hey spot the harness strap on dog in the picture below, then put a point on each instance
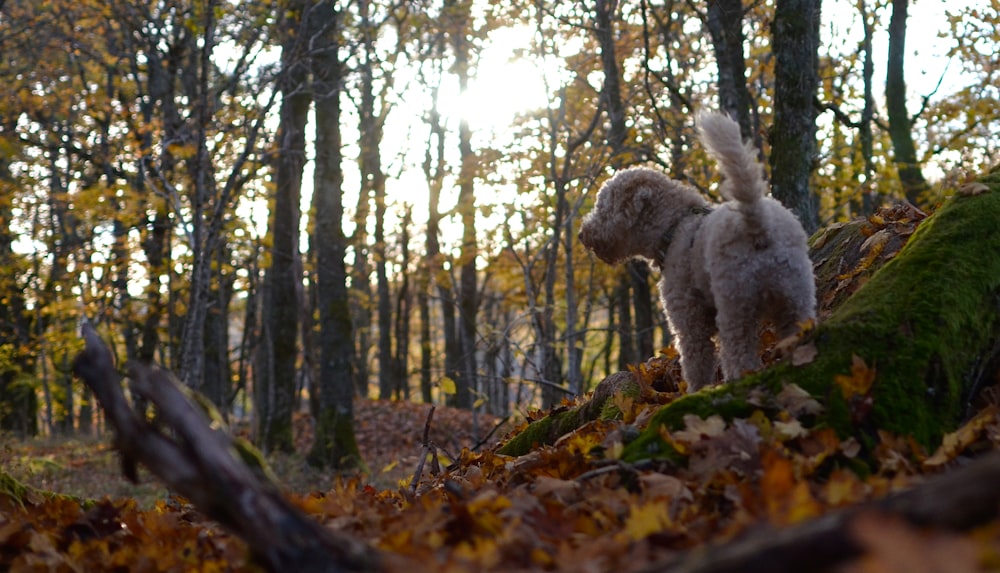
(668, 235)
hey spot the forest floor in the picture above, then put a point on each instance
(389, 435)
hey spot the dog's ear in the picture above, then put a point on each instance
(645, 198)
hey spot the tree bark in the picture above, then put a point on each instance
(900, 124)
(795, 41)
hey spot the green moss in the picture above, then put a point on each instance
(561, 422)
(18, 493)
(336, 445)
(543, 431)
(926, 323)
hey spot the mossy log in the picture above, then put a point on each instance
(906, 353)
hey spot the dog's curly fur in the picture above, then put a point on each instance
(724, 268)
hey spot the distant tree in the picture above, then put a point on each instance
(458, 14)
(433, 275)
(635, 345)
(276, 369)
(18, 402)
(335, 445)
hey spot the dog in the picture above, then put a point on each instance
(724, 268)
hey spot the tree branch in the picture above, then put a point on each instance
(200, 464)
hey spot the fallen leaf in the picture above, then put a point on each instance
(956, 442)
(697, 429)
(859, 382)
(797, 401)
(972, 189)
(804, 354)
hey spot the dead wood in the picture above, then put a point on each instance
(957, 501)
(200, 464)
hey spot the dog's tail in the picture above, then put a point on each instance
(744, 175)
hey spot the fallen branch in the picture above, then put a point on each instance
(200, 464)
(956, 501)
(427, 448)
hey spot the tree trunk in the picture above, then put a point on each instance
(923, 331)
(404, 304)
(900, 124)
(217, 375)
(465, 385)
(335, 445)
(795, 42)
(276, 381)
(638, 343)
(435, 277)
(724, 21)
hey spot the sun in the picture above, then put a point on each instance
(504, 85)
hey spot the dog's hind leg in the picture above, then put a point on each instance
(693, 332)
(738, 336)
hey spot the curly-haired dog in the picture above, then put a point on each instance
(724, 268)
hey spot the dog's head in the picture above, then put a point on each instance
(633, 211)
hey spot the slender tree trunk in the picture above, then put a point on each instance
(216, 370)
(373, 186)
(636, 277)
(276, 381)
(870, 199)
(467, 294)
(626, 351)
(795, 41)
(201, 238)
(404, 301)
(373, 180)
(900, 124)
(335, 445)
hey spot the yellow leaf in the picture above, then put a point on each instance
(646, 520)
(859, 382)
(956, 442)
(447, 386)
(787, 497)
